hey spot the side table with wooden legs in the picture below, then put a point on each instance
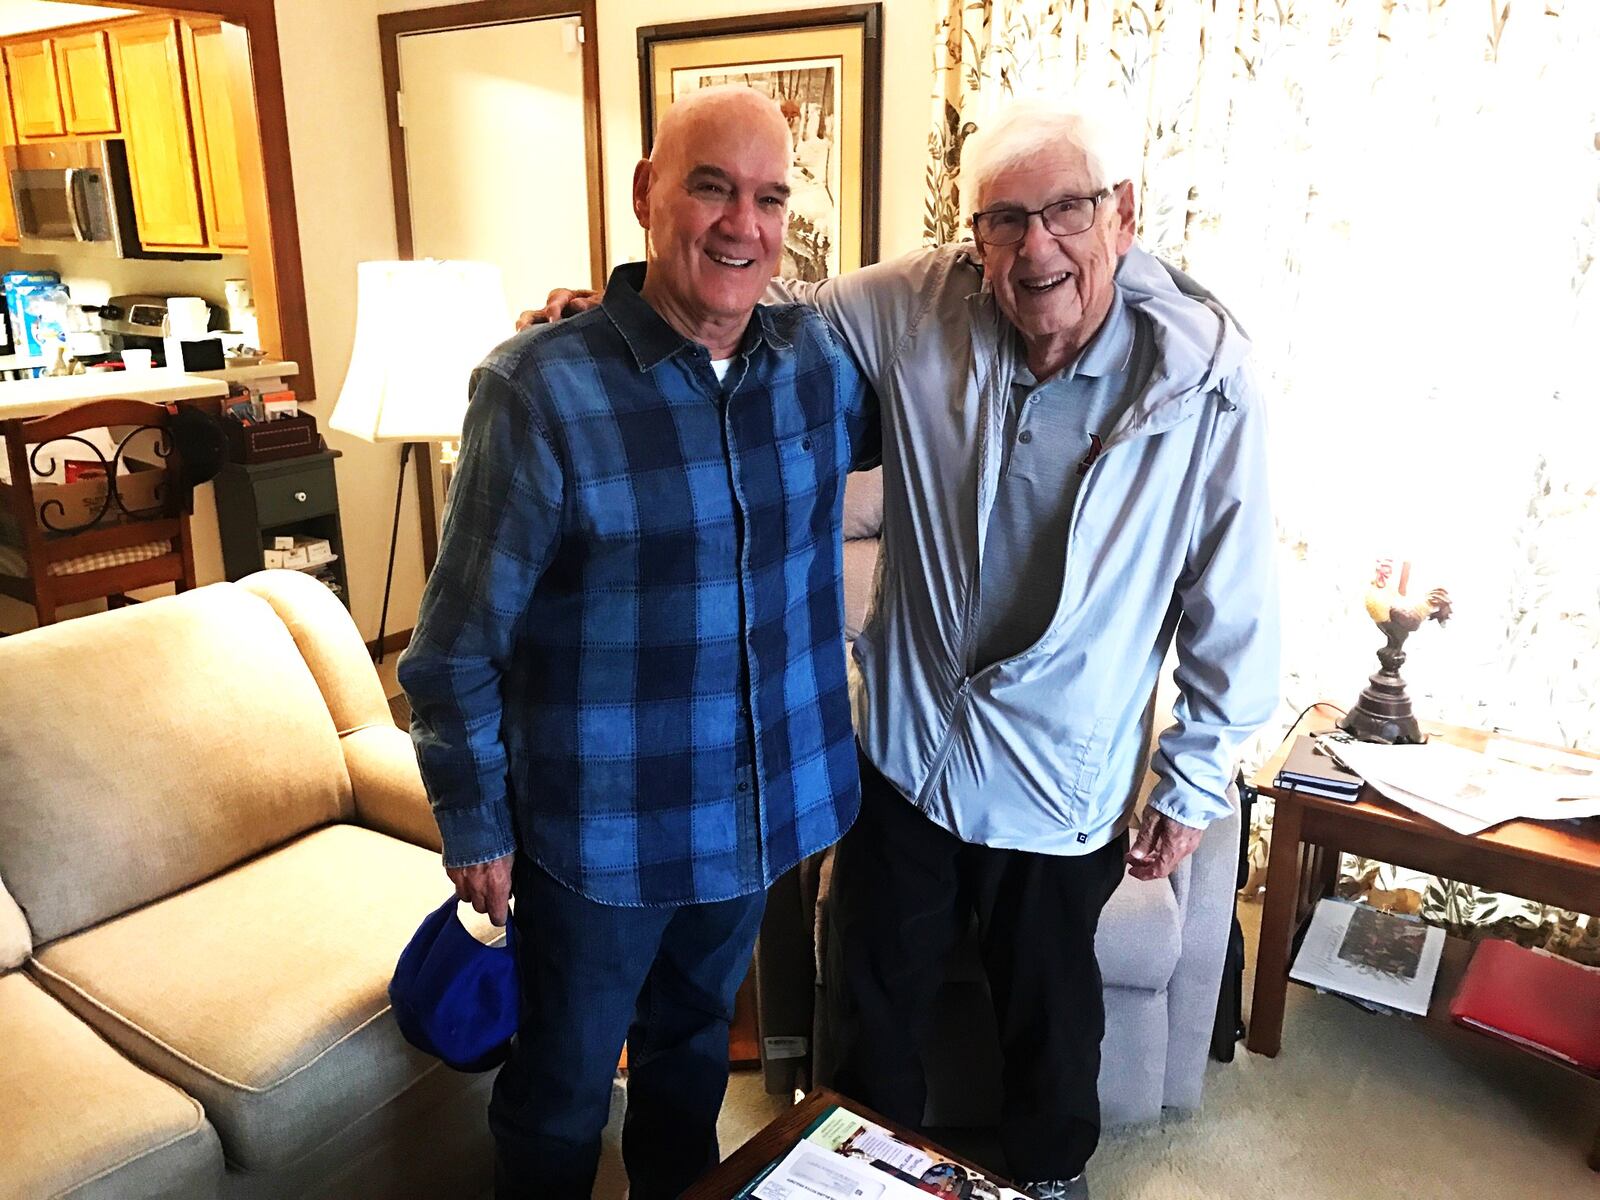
(1556, 863)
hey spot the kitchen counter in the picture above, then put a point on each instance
(39, 397)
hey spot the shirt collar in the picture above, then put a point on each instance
(649, 337)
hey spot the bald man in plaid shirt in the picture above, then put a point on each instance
(628, 676)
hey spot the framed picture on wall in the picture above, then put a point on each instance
(824, 68)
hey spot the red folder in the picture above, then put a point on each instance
(1544, 1003)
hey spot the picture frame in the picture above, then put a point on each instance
(825, 67)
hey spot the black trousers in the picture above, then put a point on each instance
(905, 891)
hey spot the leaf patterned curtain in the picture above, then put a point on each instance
(1400, 200)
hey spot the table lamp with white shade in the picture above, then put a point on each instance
(421, 328)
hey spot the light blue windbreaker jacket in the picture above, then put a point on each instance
(1171, 538)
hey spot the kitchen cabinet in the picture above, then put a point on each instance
(83, 68)
(8, 137)
(161, 151)
(211, 114)
(35, 89)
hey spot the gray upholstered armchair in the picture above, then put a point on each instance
(1161, 947)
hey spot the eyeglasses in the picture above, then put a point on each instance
(1003, 226)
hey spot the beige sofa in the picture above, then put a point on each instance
(213, 844)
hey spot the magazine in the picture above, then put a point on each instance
(844, 1156)
(1370, 955)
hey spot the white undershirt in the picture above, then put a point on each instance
(720, 366)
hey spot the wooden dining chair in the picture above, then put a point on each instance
(92, 506)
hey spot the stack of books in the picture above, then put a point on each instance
(1311, 768)
(1535, 1000)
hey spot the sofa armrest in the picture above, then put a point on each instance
(1206, 896)
(388, 786)
(16, 939)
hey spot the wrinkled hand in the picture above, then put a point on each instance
(1161, 845)
(562, 302)
(485, 886)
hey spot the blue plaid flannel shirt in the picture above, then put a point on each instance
(629, 662)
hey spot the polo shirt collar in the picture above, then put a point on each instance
(1108, 350)
(648, 335)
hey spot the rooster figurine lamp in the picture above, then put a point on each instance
(1383, 713)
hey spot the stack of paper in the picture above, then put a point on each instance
(1370, 955)
(1468, 792)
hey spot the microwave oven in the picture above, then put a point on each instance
(75, 197)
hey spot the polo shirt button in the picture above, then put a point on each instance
(744, 785)
(805, 443)
(1025, 436)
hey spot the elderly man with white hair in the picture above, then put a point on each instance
(1074, 478)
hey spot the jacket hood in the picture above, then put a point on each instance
(1200, 344)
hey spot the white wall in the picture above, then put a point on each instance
(339, 144)
(25, 16)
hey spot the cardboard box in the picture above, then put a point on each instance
(283, 543)
(272, 559)
(69, 506)
(318, 550)
(296, 559)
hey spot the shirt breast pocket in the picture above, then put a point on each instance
(810, 469)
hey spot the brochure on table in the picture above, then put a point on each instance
(843, 1156)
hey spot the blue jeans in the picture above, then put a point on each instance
(593, 974)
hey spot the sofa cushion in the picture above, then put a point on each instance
(1140, 935)
(863, 504)
(80, 1118)
(150, 747)
(16, 943)
(860, 570)
(263, 992)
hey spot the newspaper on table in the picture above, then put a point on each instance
(1467, 791)
(844, 1156)
(1370, 955)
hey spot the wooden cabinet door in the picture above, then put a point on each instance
(155, 117)
(83, 66)
(8, 137)
(211, 112)
(35, 92)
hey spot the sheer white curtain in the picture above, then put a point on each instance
(1400, 200)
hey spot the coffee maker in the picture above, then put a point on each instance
(138, 321)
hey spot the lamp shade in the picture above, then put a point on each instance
(421, 327)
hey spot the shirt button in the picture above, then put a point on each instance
(744, 785)
(805, 443)
(1025, 436)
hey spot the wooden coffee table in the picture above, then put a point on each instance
(773, 1142)
(1556, 863)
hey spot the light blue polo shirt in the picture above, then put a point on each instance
(1054, 430)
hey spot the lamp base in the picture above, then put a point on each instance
(1383, 713)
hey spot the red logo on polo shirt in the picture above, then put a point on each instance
(1095, 446)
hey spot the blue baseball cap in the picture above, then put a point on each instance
(454, 997)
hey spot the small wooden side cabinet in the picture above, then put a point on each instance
(293, 497)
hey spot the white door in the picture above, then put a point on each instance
(493, 120)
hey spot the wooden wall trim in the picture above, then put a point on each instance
(393, 26)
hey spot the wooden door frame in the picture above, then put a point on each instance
(393, 26)
(260, 21)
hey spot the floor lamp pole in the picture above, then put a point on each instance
(394, 538)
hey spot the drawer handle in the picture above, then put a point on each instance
(300, 496)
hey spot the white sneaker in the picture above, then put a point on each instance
(1076, 1188)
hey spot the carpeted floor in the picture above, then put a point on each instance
(1356, 1106)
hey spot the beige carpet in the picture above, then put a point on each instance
(1355, 1107)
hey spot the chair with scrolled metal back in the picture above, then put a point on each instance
(92, 506)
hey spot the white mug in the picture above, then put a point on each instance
(136, 360)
